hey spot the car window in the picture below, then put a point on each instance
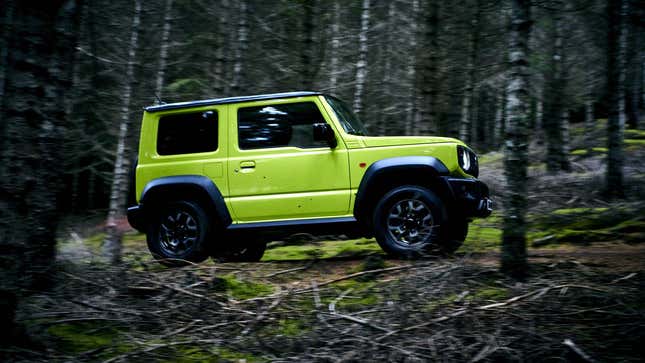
(348, 119)
(279, 125)
(187, 133)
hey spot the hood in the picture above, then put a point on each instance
(376, 141)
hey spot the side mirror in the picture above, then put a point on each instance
(324, 132)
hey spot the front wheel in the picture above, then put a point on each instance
(408, 221)
(178, 233)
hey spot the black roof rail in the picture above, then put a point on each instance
(220, 101)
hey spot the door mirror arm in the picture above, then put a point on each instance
(324, 132)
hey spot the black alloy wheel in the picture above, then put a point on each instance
(178, 232)
(408, 221)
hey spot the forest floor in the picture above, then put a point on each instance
(344, 300)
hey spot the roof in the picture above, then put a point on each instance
(220, 101)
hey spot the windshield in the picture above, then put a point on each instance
(348, 119)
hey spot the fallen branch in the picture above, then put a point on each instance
(360, 321)
(569, 343)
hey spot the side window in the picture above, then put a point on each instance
(278, 125)
(187, 133)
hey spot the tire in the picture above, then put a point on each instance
(250, 252)
(454, 236)
(178, 233)
(408, 222)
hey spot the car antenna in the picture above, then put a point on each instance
(159, 101)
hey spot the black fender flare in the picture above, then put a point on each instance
(384, 174)
(197, 185)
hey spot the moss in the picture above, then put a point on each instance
(363, 294)
(85, 336)
(242, 290)
(635, 134)
(490, 158)
(291, 327)
(482, 236)
(489, 293)
(587, 225)
(95, 241)
(433, 305)
(568, 211)
(187, 353)
(634, 144)
(326, 249)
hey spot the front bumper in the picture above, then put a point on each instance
(472, 197)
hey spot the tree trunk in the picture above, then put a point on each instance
(498, 127)
(307, 51)
(241, 47)
(589, 125)
(383, 121)
(467, 105)
(220, 74)
(516, 152)
(7, 22)
(118, 193)
(616, 52)
(163, 49)
(361, 65)
(427, 124)
(38, 50)
(556, 159)
(412, 104)
(335, 48)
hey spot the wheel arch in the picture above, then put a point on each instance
(194, 187)
(385, 174)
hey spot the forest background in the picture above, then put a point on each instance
(550, 92)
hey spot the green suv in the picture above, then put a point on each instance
(222, 177)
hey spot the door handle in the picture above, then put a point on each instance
(247, 164)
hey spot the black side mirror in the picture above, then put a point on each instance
(324, 132)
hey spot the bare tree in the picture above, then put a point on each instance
(118, 194)
(39, 48)
(335, 47)
(429, 79)
(516, 141)
(241, 47)
(556, 158)
(616, 53)
(361, 64)
(163, 49)
(4, 54)
(413, 117)
(467, 107)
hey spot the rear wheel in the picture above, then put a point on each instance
(408, 222)
(178, 232)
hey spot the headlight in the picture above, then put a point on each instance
(467, 161)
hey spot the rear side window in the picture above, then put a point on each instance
(279, 125)
(187, 133)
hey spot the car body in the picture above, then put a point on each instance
(269, 165)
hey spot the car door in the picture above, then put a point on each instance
(277, 170)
